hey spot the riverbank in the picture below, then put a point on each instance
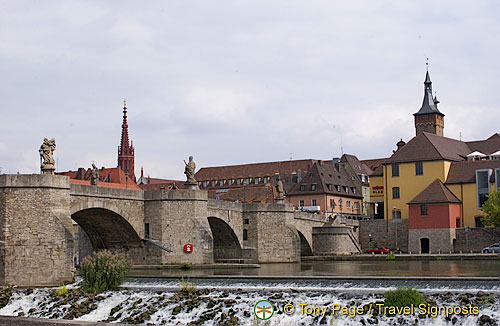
(423, 257)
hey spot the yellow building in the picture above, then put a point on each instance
(468, 169)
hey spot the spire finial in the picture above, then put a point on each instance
(427, 64)
(124, 102)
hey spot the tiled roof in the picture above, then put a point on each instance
(373, 164)
(322, 174)
(248, 194)
(487, 146)
(435, 193)
(429, 147)
(379, 171)
(356, 165)
(106, 176)
(268, 169)
(130, 185)
(465, 172)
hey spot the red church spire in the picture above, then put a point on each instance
(126, 150)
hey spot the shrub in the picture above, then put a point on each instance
(390, 257)
(62, 291)
(103, 271)
(403, 297)
(186, 267)
(187, 286)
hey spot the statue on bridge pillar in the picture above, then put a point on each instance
(94, 175)
(47, 162)
(279, 190)
(189, 172)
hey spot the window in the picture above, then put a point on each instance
(214, 182)
(353, 190)
(419, 168)
(265, 179)
(395, 193)
(256, 180)
(301, 203)
(329, 186)
(302, 187)
(332, 203)
(205, 183)
(395, 170)
(346, 189)
(313, 202)
(247, 181)
(230, 182)
(482, 186)
(423, 210)
(313, 187)
(396, 214)
(238, 181)
(356, 205)
(221, 182)
(146, 231)
(245, 234)
(337, 187)
(348, 204)
(246, 221)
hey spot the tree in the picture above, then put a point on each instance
(492, 210)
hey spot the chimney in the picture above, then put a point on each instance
(400, 144)
(336, 161)
(80, 174)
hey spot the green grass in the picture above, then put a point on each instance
(187, 286)
(390, 257)
(62, 291)
(403, 297)
(103, 271)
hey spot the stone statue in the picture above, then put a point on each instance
(94, 175)
(279, 189)
(189, 171)
(47, 162)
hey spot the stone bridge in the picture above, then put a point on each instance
(44, 220)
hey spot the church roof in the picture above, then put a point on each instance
(435, 193)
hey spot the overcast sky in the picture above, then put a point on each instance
(233, 82)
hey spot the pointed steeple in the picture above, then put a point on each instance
(428, 104)
(429, 118)
(126, 150)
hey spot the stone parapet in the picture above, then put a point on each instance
(176, 194)
(104, 192)
(34, 181)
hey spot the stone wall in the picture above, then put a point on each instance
(476, 239)
(440, 240)
(272, 233)
(334, 240)
(36, 242)
(184, 220)
(390, 233)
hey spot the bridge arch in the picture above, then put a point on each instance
(107, 229)
(225, 242)
(305, 246)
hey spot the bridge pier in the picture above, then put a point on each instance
(36, 242)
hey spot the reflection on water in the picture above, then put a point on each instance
(442, 268)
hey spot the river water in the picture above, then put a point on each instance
(231, 300)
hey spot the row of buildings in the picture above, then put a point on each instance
(433, 181)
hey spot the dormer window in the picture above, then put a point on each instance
(329, 186)
(313, 187)
(346, 189)
(353, 190)
(302, 187)
(337, 187)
